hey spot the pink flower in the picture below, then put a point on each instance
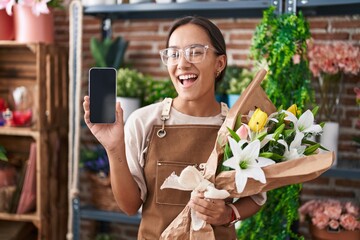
(351, 208)
(333, 209)
(296, 59)
(7, 4)
(242, 132)
(348, 222)
(320, 220)
(332, 58)
(38, 6)
(334, 224)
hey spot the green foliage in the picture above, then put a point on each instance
(157, 90)
(3, 156)
(236, 79)
(278, 39)
(108, 52)
(274, 220)
(130, 83)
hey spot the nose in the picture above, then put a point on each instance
(182, 61)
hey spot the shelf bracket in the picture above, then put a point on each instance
(106, 30)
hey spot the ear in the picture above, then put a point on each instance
(220, 63)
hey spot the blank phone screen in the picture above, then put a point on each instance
(102, 93)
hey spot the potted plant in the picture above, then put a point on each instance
(130, 89)
(96, 165)
(108, 52)
(331, 219)
(280, 40)
(33, 19)
(157, 90)
(238, 79)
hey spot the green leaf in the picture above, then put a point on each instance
(271, 155)
(233, 134)
(279, 131)
(311, 149)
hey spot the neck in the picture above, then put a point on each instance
(197, 108)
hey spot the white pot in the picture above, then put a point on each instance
(128, 105)
(329, 138)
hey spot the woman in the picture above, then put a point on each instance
(168, 136)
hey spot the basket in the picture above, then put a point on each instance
(101, 194)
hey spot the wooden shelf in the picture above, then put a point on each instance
(19, 217)
(218, 9)
(17, 131)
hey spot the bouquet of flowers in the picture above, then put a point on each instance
(38, 6)
(331, 214)
(334, 58)
(269, 151)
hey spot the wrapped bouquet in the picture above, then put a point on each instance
(258, 148)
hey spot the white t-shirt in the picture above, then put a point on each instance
(137, 133)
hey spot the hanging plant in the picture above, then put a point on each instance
(280, 40)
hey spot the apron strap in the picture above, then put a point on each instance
(165, 115)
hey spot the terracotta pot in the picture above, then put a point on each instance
(324, 234)
(32, 28)
(6, 26)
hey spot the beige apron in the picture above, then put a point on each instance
(180, 146)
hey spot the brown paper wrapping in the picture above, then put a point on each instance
(277, 175)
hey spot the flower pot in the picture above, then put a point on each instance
(128, 105)
(32, 28)
(329, 138)
(324, 234)
(6, 26)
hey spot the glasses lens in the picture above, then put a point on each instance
(170, 56)
(195, 54)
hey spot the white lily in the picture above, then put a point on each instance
(295, 150)
(305, 123)
(246, 162)
(191, 179)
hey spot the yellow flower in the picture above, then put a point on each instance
(258, 120)
(293, 109)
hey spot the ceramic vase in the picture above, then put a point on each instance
(30, 28)
(128, 105)
(6, 26)
(324, 234)
(329, 138)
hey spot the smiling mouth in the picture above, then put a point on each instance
(187, 80)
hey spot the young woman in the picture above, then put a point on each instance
(168, 136)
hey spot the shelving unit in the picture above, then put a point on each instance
(213, 9)
(42, 68)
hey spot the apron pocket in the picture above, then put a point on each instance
(170, 196)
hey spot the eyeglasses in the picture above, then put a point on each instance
(193, 54)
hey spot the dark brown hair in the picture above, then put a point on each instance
(214, 33)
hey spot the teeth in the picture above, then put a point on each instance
(185, 77)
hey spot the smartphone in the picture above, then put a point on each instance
(102, 93)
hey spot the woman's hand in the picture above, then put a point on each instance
(109, 135)
(212, 211)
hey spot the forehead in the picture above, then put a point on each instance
(188, 34)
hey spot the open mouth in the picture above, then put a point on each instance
(188, 79)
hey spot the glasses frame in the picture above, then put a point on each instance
(181, 53)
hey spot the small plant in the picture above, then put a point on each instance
(94, 160)
(157, 90)
(238, 79)
(108, 52)
(130, 83)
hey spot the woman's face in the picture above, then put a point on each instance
(194, 81)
